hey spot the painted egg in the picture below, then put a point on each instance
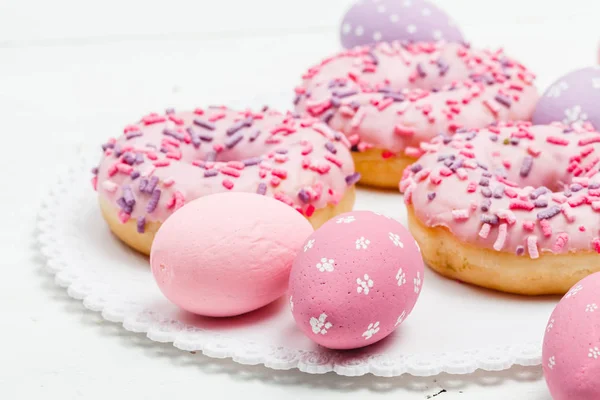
(355, 280)
(371, 21)
(571, 351)
(228, 253)
(572, 99)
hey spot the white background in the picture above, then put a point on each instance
(75, 71)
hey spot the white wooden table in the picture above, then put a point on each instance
(75, 71)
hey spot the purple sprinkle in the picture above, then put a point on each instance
(514, 141)
(95, 170)
(397, 97)
(128, 196)
(486, 192)
(262, 188)
(107, 146)
(170, 111)
(499, 191)
(118, 151)
(490, 219)
(337, 136)
(576, 187)
(296, 99)
(134, 175)
(444, 67)
(152, 184)
(303, 196)
(416, 168)
(252, 161)
(448, 162)
(211, 156)
(548, 213)
(210, 172)
(205, 137)
(195, 138)
(526, 166)
(594, 185)
(131, 135)
(485, 205)
(494, 138)
(143, 184)
(503, 99)
(344, 93)
(139, 158)
(431, 196)
(540, 203)
(173, 134)
(442, 157)
(326, 117)
(204, 124)
(374, 57)
(355, 105)
(141, 224)
(239, 125)
(456, 164)
(164, 150)
(254, 135)
(234, 140)
(484, 181)
(484, 167)
(421, 70)
(538, 192)
(352, 178)
(520, 250)
(335, 101)
(129, 158)
(281, 151)
(153, 201)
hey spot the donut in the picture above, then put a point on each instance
(165, 160)
(512, 207)
(389, 98)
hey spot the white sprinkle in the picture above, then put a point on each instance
(501, 239)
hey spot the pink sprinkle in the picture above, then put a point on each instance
(521, 205)
(168, 182)
(231, 172)
(559, 198)
(161, 163)
(283, 198)
(507, 182)
(546, 228)
(445, 171)
(227, 184)
(307, 149)
(506, 164)
(176, 120)
(347, 111)
(471, 187)
(109, 186)
(462, 174)
(532, 247)
(236, 164)
(494, 109)
(435, 179)
(174, 155)
(561, 240)
(124, 168)
(179, 200)
(507, 215)
(310, 209)
(590, 140)
(275, 181)
(581, 228)
(280, 173)
(467, 153)
(95, 183)
(358, 118)
(422, 174)
(408, 195)
(218, 147)
(460, 215)
(386, 154)
(216, 117)
(413, 152)
(151, 155)
(529, 226)
(385, 103)
(557, 140)
(363, 146)
(596, 205)
(402, 130)
(510, 192)
(596, 244)
(577, 201)
(405, 183)
(123, 216)
(333, 159)
(568, 214)
(198, 111)
(501, 239)
(485, 230)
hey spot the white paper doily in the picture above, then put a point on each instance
(454, 328)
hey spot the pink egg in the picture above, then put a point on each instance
(228, 253)
(571, 352)
(371, 21)
(355, 280)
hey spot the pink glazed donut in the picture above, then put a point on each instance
(164, 161)
(390, 97)
(513, 207)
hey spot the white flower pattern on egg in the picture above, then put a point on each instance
(326, 264)
(372, 329)
(309, 245)
(557, 89)
(594, 353)
(573, 292)
(400, 318)
(364, 286)
(551, 362)
(345, 220)
(417, 281)
(396, 240)
(401, 277)
(591, 307)
(362, 243)
(291, 304)
(550, 325)
(320, 325)
(575, 115)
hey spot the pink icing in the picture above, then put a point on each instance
(356, 279)
(571, 351)
(214, 257)
(164, 161)
(512, 187)
(408, 93)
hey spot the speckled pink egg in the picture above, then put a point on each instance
(372, 21)
(572, 99)
(228, 253)
(355, 280)
(571, 352)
